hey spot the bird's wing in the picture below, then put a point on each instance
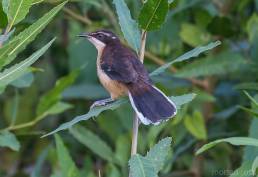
(124, 66)
(120, 69)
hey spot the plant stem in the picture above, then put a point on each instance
(135, 135)
(136, 122)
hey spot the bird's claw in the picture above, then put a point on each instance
(100, 103)
(97, 104)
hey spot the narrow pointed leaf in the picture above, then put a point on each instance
(27, 36)
(238, 141)
(93, 142)
(17, 10)
(178, 100)
(193, 53)
(67, 165)
(12, 73)
(128, 26)
(153, 14)
(53, 96)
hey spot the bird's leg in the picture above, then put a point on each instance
(102, 102)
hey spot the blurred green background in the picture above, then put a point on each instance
(218, 77)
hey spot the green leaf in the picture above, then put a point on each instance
(251, 152)
(128, 26)
(141, 167)
(194, 35)
(243, 171)
(222, 63)
(238, 141)
(193, 53)
(26, 37)
(182, 99)
(57, 108)
(196, 125)
(250, 111)
(66, 163)
(153, 14)
(53, 96)
(122, 153)
(252, 28)
(37, 170)
(23, 81)
(247, 86)
(255, 166)
(17, 10)
(158, 153)
(93, 142)
(3, 17)
(255, 103)
(178, 100)
(7, 139)
(14, 72)
(5, 5)
(152, 163)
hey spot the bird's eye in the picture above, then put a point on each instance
(100, 35)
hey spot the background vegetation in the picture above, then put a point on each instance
(62, 84)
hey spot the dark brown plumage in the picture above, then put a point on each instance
(121, 73)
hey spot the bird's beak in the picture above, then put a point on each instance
(84, 35)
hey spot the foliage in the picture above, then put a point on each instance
(202, 52)
(151, 164)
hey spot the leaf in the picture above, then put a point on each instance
(23, 81)
(57, 108)
(222, 63)
(93, 142)
(7, 139)
(243, 171)
(17, 10)
(196, 125)
(153, 14)
(158, 153)
(54, 95)
(247, 86)
(15, 71)
(128, 26)
(194, 35)
(250, 111)
(39, 163)
(252, 28)
(5, 5)
(122, 153)
(97, 110)
(26, 37)
(66, 163)
(255, 166)
(151, 164)
(255, 103)
(238, 141)
(3, 16)
(141, 167)
(251, 152)
(182, 99)
(192, 53)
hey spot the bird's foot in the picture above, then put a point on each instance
(101, 102)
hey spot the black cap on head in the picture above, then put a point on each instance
(104, 36)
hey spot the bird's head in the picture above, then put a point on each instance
(100, 38)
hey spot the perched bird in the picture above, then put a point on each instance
(122, 73)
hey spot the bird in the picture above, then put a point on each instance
(122, 74)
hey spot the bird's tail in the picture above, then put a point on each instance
(150, 104)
